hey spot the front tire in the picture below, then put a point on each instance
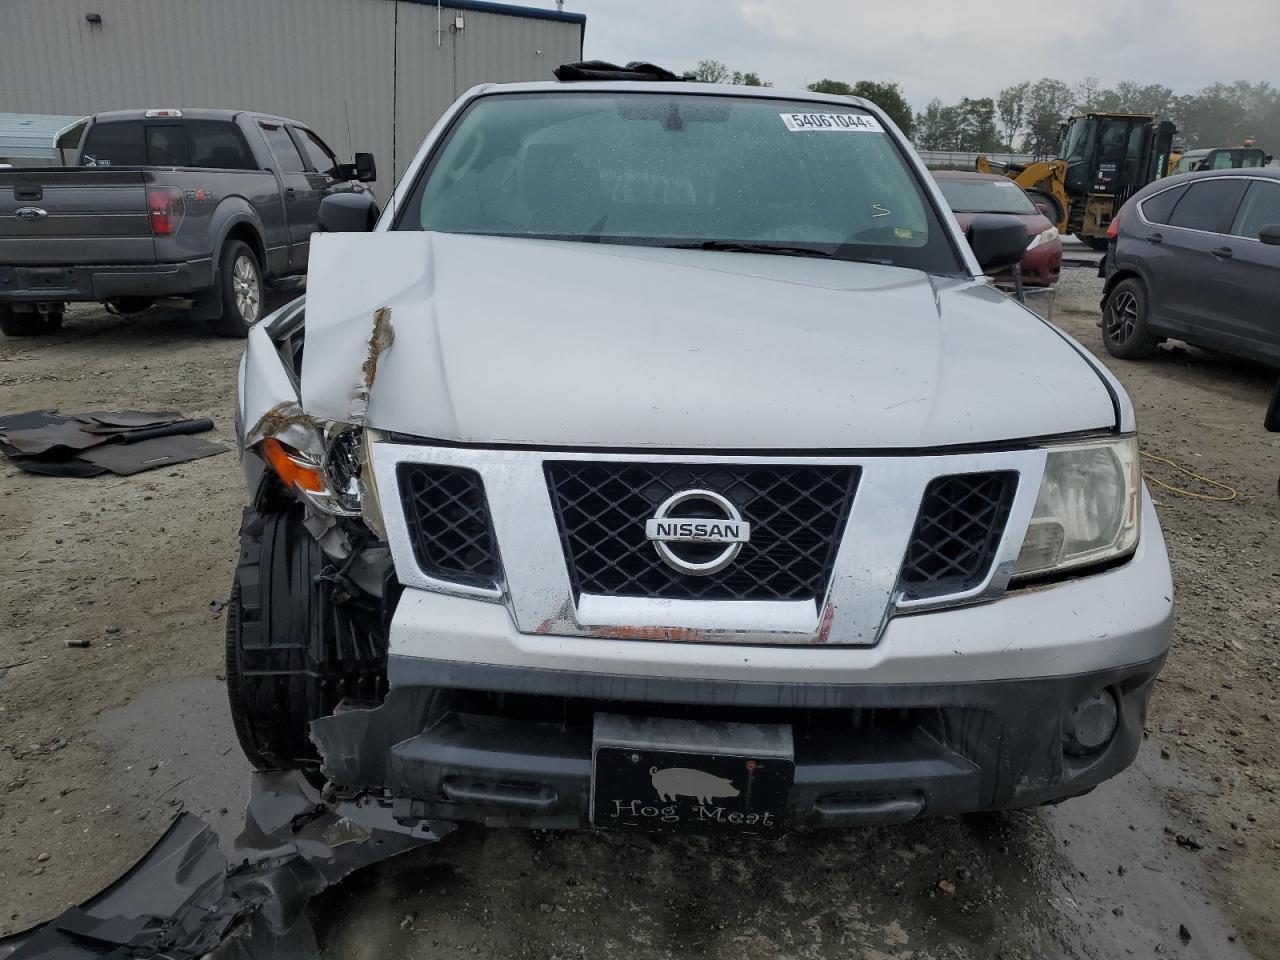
(297, 643)
(32, 324)
(1125, 332)
(240, 280)
(1054, 215)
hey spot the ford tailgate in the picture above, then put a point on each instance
(74, 215)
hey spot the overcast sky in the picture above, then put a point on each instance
(946, 48)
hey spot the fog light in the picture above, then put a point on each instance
(1090, 724)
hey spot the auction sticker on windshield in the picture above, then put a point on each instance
(831, 123)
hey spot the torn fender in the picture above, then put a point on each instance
(269, 402)
(363, 289)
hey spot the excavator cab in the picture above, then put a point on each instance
(1102, 160)
(1108, 158)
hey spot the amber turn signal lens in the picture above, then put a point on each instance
(290, 469)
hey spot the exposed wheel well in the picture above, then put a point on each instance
(1118, 276)
(246, 233)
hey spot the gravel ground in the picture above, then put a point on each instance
(99, 746)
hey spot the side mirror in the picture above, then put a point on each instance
(348, 213)
(997, 241)
(1273, 412)
(1270, 235)
(363, 169)
(1045, 211)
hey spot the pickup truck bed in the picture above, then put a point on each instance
(207, 205)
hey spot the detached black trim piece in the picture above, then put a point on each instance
(603, 70)
(186, 900)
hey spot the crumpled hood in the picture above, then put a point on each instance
(495, 340)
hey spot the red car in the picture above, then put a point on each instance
(969, 194)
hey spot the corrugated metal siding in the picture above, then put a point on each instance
(327, 63)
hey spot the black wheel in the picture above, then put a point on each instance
(298, 643)
(240, 279)
(1093, 243)
(1055, 214)
(30, 323)
(1124, 322)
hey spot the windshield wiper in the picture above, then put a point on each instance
(732, 246)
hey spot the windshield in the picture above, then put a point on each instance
(681, 170)
(1078, 140)
(986, 196)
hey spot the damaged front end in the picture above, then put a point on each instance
(315, 584)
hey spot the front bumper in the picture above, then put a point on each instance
(888, 754)
(951, 711)
(83, 283)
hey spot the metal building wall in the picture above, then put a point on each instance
(327, 63)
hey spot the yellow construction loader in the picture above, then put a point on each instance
(1102, 160)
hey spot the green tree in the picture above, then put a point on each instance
(976, 125)
(887, 96)
(1129, 97)
(1011, 104)
(713, 71)
(1087, 92)
(837, 88)
(1048, 103)
(937, 127)
(709, 71)
(1225, 115)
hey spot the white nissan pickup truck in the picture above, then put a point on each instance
(661, 458)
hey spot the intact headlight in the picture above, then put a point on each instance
(1088, 510)
(1045, 236)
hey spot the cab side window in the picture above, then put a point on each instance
(282, 148)
(115, 144)
(1205, 205)
(1158, 208)
(319, 155)
(218, 144)
(1260, 208)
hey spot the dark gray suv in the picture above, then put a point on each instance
(1197, 258)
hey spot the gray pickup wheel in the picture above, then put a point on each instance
(240, 277)
(30, 323)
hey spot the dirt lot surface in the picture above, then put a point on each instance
(99, 746)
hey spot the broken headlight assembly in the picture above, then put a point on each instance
(1088, 511)
(339, 481)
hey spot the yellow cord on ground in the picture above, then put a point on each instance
(1152, 478)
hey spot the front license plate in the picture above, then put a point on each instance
(730, 790)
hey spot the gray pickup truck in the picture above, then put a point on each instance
(207, 205)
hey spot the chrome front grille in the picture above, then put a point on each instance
(797, 516)
(560, 540)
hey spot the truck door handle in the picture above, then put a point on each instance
(1223, 253)
(1155, 238)
(290, 193)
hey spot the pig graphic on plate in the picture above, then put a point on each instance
(681, 781)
